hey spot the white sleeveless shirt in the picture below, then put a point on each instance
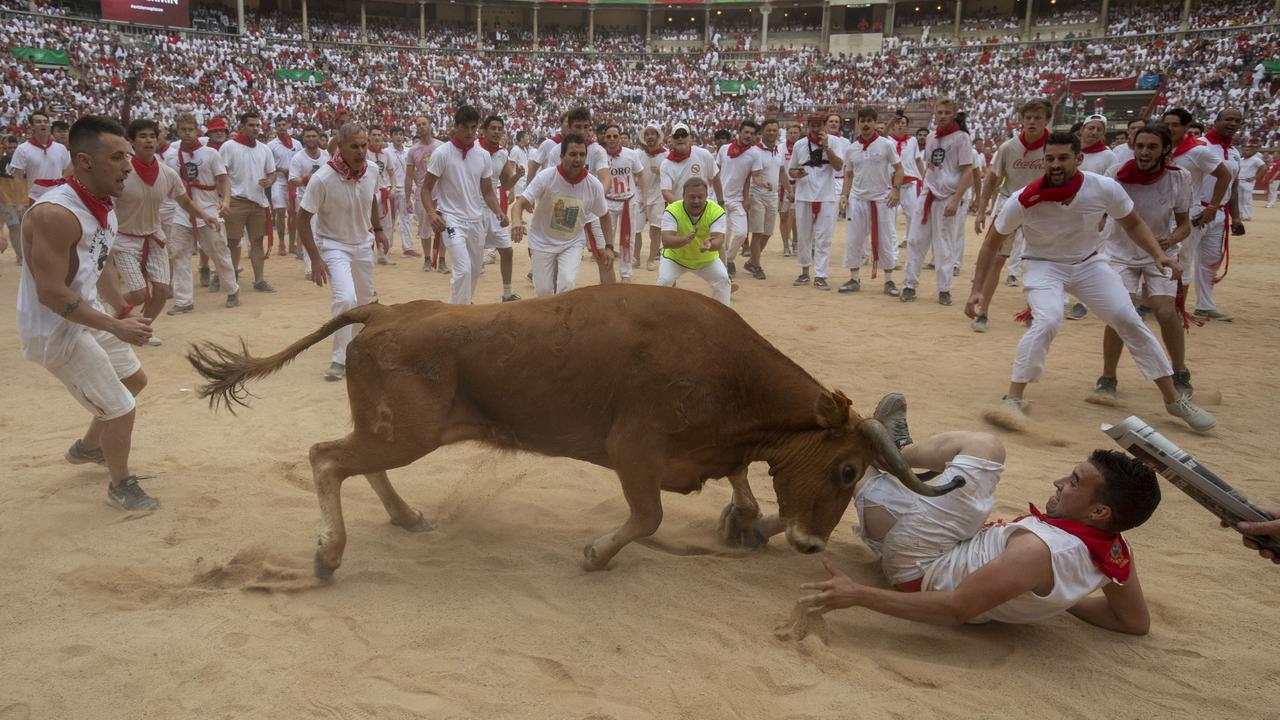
(47, 338)
(1075, 576)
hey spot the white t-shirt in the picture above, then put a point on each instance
(397, 164)
(839, 145)
(624, 169)
(946, 160)
(381, 161)
(457, 188)
(303, 165)
(341, 207)
(499, 159)
(197, 170)
(1123, 153)
(870, 168)
(1099, 162)
(1231, 158)
(1155, 204)
(1250, 166)
(772, 160)
(1199, 162)
(653, 178)
(735, 171)
(282, 155)
(561, 208)
(699, 163)
(819, 182)
(1066, 233)
(1075, 576)
(721, 224)
(246, 166)
(908, 152)
(40, 164)
(597, 156)
(1016, 167)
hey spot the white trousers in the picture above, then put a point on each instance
(404, 216)
(934, 234)
(1019, 244)
(957, 234)
(860, 231)
(736, 220)
(1271, 191)
(715, 273)
(1096, 284)
(1206, 262)
(464, 241)
(909, 204)
(630, 211)
(182, 246)
(555, 272)
(1245, 193)
(351, 279)
(815, 225)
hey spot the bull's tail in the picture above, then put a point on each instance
(228, 371)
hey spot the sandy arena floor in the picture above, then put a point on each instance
(108, 615)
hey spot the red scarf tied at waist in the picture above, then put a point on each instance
(147, 173)
(1108, 550)
(1038, 191)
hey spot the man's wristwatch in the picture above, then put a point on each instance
(378, 229)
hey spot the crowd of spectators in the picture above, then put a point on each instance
(220, 74)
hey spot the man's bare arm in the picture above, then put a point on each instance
(1122, 608)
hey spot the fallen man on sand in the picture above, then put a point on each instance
(950, 566)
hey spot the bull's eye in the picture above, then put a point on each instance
(848, 475)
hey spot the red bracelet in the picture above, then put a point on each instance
(124, 312)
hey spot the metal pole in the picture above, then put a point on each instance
(764, 28)
(825, 35)
(422, 22)
(890, 14)
(648, 27)
(535, 27)
(706, 28)
(479, 25)
(1186, 15)
(364, 27)
(1026, 29)
(591, 25)
(240, 15)
(306, 32)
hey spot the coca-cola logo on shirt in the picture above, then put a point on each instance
(1025, 164)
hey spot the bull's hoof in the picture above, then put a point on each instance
(590, 562)
(324, 570)
(737, 531)
(422, 524)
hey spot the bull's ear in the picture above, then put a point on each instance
(833, 409)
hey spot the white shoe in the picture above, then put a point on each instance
(1017, 407)
(1197, 417)
(154, 341)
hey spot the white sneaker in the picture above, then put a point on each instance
(1017, 407)
(154, 341)
(1193, 415)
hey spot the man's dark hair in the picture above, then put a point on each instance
(1129, 488)
(139, 125)
(1140, 121)
(723, 135)
(41, 112)
(571, 139)
(245, 117)
(86, 131)
(465, 114)
(922, 130)
(1037, 104)
(577, 115)
(396, 129)
(767, 122)
(59, 125)
(1064, 138)
(749, 124)
(491, 120)
(1197, 125)
(311, 128)
(605, 127)
(866, 112)
(1160, 131)
(1183, 116)
(522, 135)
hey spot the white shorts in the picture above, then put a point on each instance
(93, 371)
(653, 212)
(736, 219)
(280, 196)
(128, 255)
(763, 215)
(927, 527)
(1136, 277)
(495, 236)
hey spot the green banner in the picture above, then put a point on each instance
(299, 74)
(1272, 66)
(41, 56)
(735, 87)
(516, 80)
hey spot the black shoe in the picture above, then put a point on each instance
(1077, 312)
(1182, 382)
(204, 277)
(892, 412)
(820, 284)
(801, 280)
(852, 286)
(1106, 387)
(929, 266)
(1144, 312)
(757, 272)
(215, 285)
(890, 289)
(130, 497)
(733, 269)
(944, 298)
(907, 295)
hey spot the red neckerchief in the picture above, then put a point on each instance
(247, 142)
(867, 143)
(1130, 174)
(762, 146)
(653, 153)
(1094, 148)
(900, 140)
(1189, 141)
(215, 144)
(43, 148)
(376, 148)
(1037, 191)
(1214, 138)
(571, 180)
(148, 173)
(735, 149)
(1108, 550)
(100, 207)
(557, 138)
(675, 157)
(1028, 148)
(943, 132)
(611, 153)
(286, 141)
(491, 147)
(461, 147)
(791, 144)
(344, 171)
(160, 151)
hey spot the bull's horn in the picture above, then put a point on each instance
(891, 459)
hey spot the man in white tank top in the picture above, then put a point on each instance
(950, 566)
(69, 233)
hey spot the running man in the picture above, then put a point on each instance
(1098, 158)
(304, 165)
(1211, 255)
(40, 163)
(654, 206)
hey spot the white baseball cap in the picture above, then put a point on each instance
(680, 126)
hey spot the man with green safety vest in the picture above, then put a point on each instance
(693, 232)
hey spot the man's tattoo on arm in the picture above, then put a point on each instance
(71, 307)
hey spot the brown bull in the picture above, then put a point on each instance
(666, 387)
